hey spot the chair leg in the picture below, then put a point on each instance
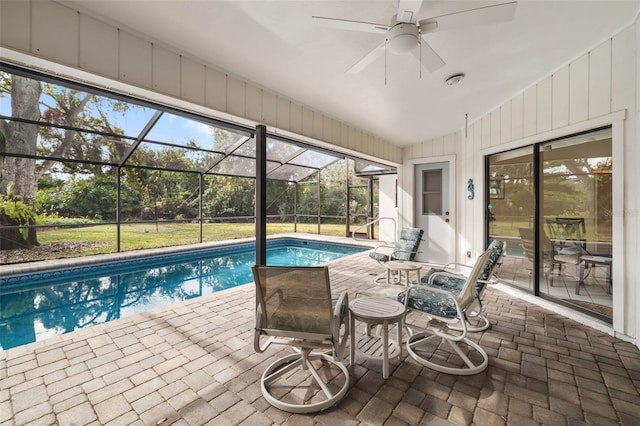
(475, 324)
(281, 393)
(470, 367)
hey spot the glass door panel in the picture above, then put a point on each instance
(511, 211)
(575, 220)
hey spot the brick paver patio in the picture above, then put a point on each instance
(193, 363)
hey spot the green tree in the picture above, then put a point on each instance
(228, 196)
(68, 112)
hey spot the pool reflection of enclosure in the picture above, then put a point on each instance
(60, 303)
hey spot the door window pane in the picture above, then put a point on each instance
(432, 192)
(575, 220)
(511, 211)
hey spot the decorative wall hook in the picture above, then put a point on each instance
(470, 189)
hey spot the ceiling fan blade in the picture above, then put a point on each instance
(469, 18)
(367, 59)
(430, 59)
(408, 10)
(346, 24)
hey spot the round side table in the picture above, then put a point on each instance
(380, 311)
(402, 267)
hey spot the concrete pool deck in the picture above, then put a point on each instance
(193, 363)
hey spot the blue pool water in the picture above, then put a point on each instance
(36, 306)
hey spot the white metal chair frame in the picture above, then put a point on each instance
(476, 320)
(450, 329)
(328, 346)
(405, 248)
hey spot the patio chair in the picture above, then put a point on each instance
(294, 308)
(449, 278)
(405, 249)
(550, 254)
(446, 326)
(567, 234)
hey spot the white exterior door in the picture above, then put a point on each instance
(432, 212)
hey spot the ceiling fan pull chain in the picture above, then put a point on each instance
(385, 61)
(420, 47)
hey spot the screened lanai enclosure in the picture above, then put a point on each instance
(87, 171)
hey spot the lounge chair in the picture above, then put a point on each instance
(446, 325)
(450, 278)
(405, 249)
(294, 308)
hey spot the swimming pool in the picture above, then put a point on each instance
(39, 305)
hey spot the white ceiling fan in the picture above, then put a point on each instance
(406, 31)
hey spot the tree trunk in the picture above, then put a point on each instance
(20, 139)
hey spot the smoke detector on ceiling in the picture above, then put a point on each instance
(454, 79)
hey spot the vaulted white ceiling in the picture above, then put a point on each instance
(278, 45)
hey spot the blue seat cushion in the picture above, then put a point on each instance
(407, 246)
(430, 302)
(496, 248)
(379, 257)
(454, 285)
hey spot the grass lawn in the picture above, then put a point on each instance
(102, 238)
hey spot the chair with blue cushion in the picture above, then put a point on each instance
(442, 344)
(295, 308)
(405, 249)
(449, 278)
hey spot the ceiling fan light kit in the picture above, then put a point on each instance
(402, 38)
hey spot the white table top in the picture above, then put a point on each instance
(402, 265)
(376, 308)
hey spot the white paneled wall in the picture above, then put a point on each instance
(579, 90)
(84, 43)
(595, 86)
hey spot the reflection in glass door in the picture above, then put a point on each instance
(561, 248)
(575, 221)
(511, 211)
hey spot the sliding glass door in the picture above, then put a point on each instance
(552, 203)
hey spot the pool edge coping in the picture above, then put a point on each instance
(43, 265)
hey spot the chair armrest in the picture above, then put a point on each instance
(257, 346)
(342, 306)
(457, 265)
(340, 318)
(384, 246)
(456, 268)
